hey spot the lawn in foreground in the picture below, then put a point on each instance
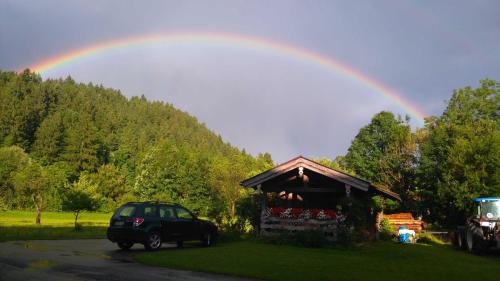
(20, 225)
(377, 261)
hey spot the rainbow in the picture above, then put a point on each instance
(238, 41)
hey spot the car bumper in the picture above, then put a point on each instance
(116, 234)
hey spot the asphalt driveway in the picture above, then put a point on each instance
(93, 259)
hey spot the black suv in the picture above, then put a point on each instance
(151, 223)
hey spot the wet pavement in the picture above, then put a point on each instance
(92, 259)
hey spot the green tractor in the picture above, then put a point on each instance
(481, 231)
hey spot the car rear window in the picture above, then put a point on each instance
(126, 211)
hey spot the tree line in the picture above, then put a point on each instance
(440, 168)
(68, 146)
(71, 146)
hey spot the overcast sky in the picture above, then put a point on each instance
(257, 99)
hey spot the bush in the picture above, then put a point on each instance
(386, 230)
(346, 235)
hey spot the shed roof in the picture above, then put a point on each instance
(301, 161)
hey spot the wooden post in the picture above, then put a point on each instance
(378, 220)
(262, 196)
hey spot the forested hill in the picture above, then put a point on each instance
(95, 140)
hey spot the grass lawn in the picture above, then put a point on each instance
(376, 261)
(20, 225)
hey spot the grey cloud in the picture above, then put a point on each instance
(262, 101)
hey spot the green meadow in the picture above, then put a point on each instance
(373, 261)
(20, 225)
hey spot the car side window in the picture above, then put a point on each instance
(167, 213)
(183, 214)
(150, 211)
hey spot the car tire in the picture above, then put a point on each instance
(153, 241)
(207, 239)
(125, 245)
(475, 239)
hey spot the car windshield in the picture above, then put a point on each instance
(490, 209)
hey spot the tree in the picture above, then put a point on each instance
(31, 181)
(460, 153)
(174, 174)
(227, 173)
(336, 164)
(12, 159)
(49, 142)
(77, 201)
(96, 139)
(384, 152)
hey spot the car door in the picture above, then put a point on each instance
(170, 229)
(188, 225)
(151, 216)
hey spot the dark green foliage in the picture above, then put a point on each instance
(248, 210)
(460, 153)
(115, 149)
(384, 152)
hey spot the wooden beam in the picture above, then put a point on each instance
(304, 189)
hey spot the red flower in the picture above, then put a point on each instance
(277, 211)
(297, 211)
(315, 212)
(331, 214)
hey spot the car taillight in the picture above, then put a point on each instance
(138, 221)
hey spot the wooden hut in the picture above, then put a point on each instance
(301, 194)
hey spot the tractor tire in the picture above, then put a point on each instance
(475, 239)
(461, 242)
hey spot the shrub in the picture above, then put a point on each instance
(386, 229)
(346, 235)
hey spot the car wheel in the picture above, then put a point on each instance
(207, 239)
(180, 244)
(475, 239)
(153, 242)
(125, 245)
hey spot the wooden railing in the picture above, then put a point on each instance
(273, 225)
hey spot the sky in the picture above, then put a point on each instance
(264, 99)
